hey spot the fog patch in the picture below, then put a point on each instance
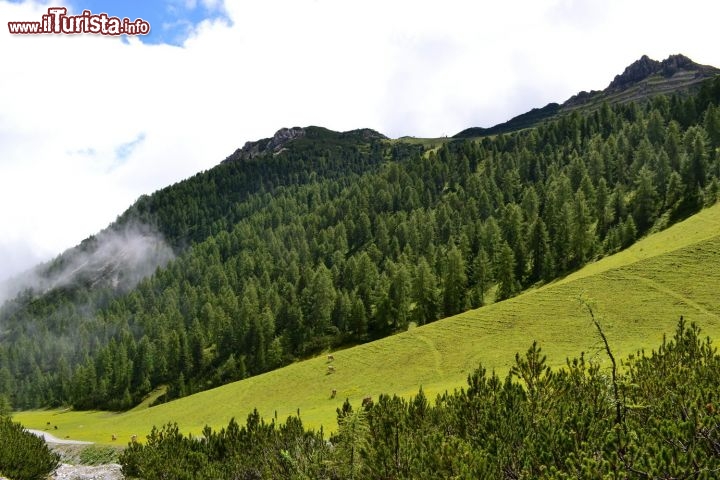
(117, 258)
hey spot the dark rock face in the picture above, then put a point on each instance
(645, 67)
(635, 72)
(677, 62)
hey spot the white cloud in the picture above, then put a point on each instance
(68, 103)
(211, 5)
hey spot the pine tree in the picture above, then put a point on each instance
(675, 190)
(662, 174)
(582, 236)
(342, 312)
(425, 293)
(508, 285)
(481, 278)
(454, 283)
(353, 439)
(514, 234)
(365, 277)
(712, 125)
(645, 204)
(672, 145)
(602, 198)
(618, 206)
(656, 128)
(358, 318)
(540, 252)
(321, 297)
(629, 232)
(563, 238)
(399, 296)
(596, 167)
(695, 168)
(712, 193)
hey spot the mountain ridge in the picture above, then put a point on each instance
(645, 67)
(640, 80)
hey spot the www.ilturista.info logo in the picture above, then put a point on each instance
(57, 21)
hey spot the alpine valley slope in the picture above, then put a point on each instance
(639, 294)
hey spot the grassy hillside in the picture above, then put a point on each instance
(640, 293)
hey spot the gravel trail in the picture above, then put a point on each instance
(53, 439)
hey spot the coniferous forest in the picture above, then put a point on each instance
(341, 238)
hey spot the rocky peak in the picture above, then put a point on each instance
(677, 62)
(635, 72)
(267, 145)
(645, 67)
(285, 135)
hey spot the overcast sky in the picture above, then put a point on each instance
(88, 123)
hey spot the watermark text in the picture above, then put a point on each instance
(57, 21)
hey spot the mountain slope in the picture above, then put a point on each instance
(639, 293)
(319, 240)
(148, 233)
(640, 81)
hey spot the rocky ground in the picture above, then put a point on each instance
(69, 470)
(87, 472)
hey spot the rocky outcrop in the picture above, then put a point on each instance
(635, 72)
(267, 145)
(646, 67)
(673, 63)
(88, 472)
(285, 136)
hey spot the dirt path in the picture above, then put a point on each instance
(53, 439)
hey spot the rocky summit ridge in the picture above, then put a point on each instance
(641, 80)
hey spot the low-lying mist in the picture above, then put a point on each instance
(117, 258)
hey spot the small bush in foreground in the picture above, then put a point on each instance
(24, 456)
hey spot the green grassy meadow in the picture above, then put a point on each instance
(639, 294)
